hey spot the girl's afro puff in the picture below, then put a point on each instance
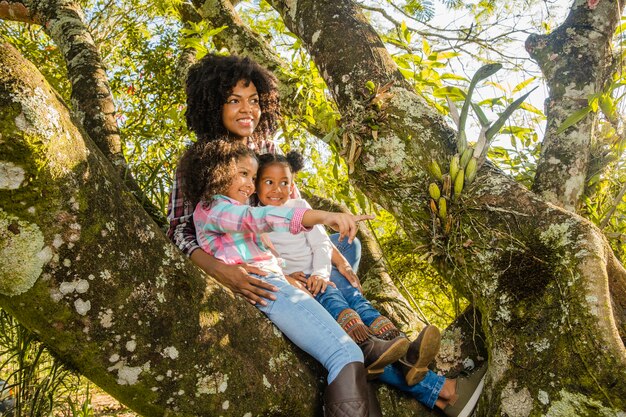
(293, 160)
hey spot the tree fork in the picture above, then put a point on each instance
(392, 170)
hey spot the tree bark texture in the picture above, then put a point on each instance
(538, 274)
(577, 61)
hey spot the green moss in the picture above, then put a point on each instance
(579, 405)
(526, 271)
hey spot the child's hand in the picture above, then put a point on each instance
(345, 224)
(317, 284)
(296, 283)
(298, 276)
(346, 270)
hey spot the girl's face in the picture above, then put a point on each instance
(241, 112)
(274, 184)
(242, 185)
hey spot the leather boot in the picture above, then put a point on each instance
(347, 395)
(421, 352)
(373, 400)
(380, 353)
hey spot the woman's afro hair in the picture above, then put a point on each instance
(209, 83)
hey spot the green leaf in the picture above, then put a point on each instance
(450, 76)
(482, 73)
(425, 46)
(523, 84)
(452, 92)
(531, 108)
(497, 125)
(481, 115)
(574, 118)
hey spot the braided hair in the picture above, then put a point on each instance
(293, 160)
(209, 83)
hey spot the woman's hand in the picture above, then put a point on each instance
(317, 284)
(236, 277)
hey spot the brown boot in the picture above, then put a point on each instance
(421, 352)
(384, 329)
(374, 405)
(347, 395)
(380, 353)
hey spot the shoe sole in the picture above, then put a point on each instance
(429, 348)
(465, 410)
(395, 352)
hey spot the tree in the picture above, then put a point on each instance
(87, 270)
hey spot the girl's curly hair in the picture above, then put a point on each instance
(207, 168)
(293, 160)
(209, 83)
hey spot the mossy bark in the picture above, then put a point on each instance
(540, 275)
(577, 60)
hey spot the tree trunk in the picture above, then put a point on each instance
(577, 61)
(538, 274)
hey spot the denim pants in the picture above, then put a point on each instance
(352, 296)
(305, 322)
(427, 390)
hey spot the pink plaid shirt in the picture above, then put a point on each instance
(231, 231)
(181, 230)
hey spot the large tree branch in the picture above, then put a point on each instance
(92, 100)
(576, 60)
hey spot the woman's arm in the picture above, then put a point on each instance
(236, 277)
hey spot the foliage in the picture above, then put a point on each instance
(40, 382)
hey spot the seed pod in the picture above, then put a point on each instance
(458, 183)
(462, 143)
(433, 206)
(443, 209)
(470, 171)
(433, 190)
(467, 155)
(448, 227)
(434, 169)
(454, 166)
(447, 185)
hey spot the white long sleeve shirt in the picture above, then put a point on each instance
(309, 252)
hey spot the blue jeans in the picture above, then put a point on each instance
(427, 390)
(305, 322)
(353, 297)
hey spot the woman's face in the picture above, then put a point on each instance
(242, 185)
(274, 185)
(241, 112)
